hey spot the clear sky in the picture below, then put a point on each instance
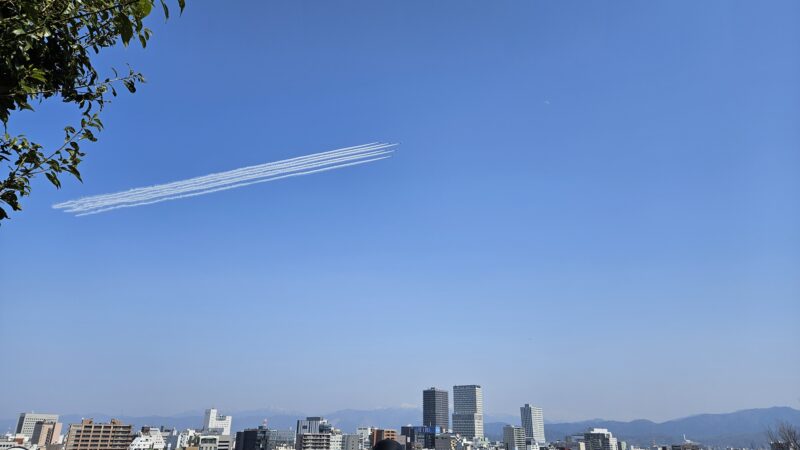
(595, 207)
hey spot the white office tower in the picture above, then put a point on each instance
(514, 437)
(336, 441)
(215, 422)
(468, 411)
(27, 422)
(599, 439)
(364, 437)
(180, 440)
(148, 439)
(533, 423)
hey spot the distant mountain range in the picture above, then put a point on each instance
(744, 428)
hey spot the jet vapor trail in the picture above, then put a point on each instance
(215, 182)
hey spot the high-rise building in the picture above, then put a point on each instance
(514, 437)
(46, 433)
(435, 408)
(314, 433)
(114, 435)
(599, 439)
(533, 422)
(216, 422)
(468, 411)
(27, 421)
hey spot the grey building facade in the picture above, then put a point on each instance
(468, 411)
(435, 408)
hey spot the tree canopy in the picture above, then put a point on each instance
(46, 50)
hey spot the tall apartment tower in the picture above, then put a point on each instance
(533, 422)
(214, 421)
(27, 422)
(99, 436)
(313, 433)
(435, 408)
(514, 438)
(599, 439)
(468, 411)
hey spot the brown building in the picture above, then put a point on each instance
(46, 433)
(379, 434)
(88, 435)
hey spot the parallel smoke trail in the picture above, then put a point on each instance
(218, 177)
(164, 199)
(215, 182)
(158, 191)
(227, 185)
(212, 179)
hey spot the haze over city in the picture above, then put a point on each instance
(593, 207)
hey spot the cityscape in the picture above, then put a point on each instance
(440, 428)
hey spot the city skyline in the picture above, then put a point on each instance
(328, 435)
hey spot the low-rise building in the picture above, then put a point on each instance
(89, 435)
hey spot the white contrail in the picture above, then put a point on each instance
(216, 177)
(209, 180)
(157, 191)
(201, 189)
(215, 182)
(164, 199)
(145, 194)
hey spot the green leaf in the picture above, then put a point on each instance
(53, 179)
(166, 9)
(74, 171)
(124, 27)
(142, 8)
(130, 85)
(38, 75)
(182, 4)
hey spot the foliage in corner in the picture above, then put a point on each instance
(46, 49)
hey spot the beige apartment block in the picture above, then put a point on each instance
(88, 435)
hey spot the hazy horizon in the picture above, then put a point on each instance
(594, 208)
(489, 417)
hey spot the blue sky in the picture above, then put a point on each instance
(595, 207)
